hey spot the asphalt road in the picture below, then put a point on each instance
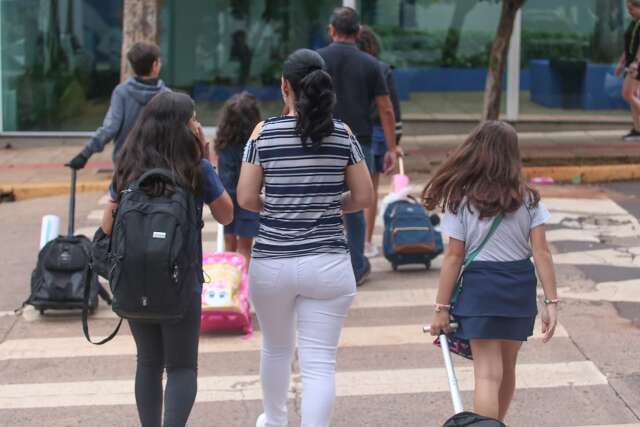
(389, 374)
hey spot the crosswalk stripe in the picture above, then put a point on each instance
(61, 347)
(625, 290)
(584, 206)
(247, 387)
(618, 257)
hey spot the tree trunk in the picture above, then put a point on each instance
(498, 59)
(140, 24)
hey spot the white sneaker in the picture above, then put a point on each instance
(371, 250)
(261, 421)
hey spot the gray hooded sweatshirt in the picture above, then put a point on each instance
(127, 101)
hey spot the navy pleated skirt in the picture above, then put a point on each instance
(497, 300)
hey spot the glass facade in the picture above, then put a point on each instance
(60, 59)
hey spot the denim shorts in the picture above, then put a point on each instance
(245, 223)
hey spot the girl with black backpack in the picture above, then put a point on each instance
(167, 136)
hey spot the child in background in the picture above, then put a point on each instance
(367, 41)
(480, 188)
(240, 114)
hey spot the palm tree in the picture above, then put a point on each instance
(140, 23)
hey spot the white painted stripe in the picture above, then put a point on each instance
(49, 348)
(626, 290)
(612, 257)
(7, 313)
(95, 215)
(247, 387)
(573, 235)
(584, 206)
(104, 200)
(614, 425)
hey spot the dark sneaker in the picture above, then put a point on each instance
(633, 135)
(364, 275)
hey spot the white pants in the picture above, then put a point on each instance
(311, 294)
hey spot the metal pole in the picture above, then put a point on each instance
(456, 399)
(513, 70)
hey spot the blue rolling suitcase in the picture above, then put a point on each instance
(410, 236)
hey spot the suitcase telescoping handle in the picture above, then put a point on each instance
(220, 238)
(72, 204)
(456, 399)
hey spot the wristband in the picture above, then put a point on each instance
(439, 307)
(548, 301)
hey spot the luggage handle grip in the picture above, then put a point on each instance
(427, 329)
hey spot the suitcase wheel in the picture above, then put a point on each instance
(427, 264)
(42, 311)
(394, 266)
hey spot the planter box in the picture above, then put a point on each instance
(445, 80)
(599, 89)
(220, 93)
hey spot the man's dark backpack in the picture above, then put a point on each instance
(469, 419)
(155, 251)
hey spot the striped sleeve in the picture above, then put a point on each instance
(251, 154)
(356, 155)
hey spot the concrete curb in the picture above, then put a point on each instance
(34, 190)
(560, 174)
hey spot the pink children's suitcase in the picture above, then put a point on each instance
(225, 294)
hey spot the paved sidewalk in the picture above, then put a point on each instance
(35, 169)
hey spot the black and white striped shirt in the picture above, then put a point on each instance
(302, 210)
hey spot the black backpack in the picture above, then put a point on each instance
(63, 269)
(469, 419)
(155, 251)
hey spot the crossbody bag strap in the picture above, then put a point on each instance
(472, 256)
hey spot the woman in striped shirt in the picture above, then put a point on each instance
(301, 275)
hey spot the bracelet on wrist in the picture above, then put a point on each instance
(439, 307)
(548, 301)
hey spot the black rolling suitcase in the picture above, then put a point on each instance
(63, 269)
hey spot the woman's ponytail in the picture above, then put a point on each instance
(314, 94)
(314, 106)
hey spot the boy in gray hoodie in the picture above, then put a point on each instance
(127, 101)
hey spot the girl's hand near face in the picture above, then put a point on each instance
(198, 132)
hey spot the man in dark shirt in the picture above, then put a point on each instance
(358, 82)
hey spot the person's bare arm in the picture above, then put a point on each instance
(388, 121)
(249, 187)
(544, 267)
(451, 265)
(222, 209)
(360, 194)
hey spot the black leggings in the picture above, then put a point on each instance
(172, 346)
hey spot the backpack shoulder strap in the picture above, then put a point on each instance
(85, 313)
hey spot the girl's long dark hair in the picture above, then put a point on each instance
(161, 138)
(485, 172)
(240, 114)
(315, 97)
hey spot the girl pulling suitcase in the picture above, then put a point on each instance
(495, 222)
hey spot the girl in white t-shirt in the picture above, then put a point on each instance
(496, 221)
